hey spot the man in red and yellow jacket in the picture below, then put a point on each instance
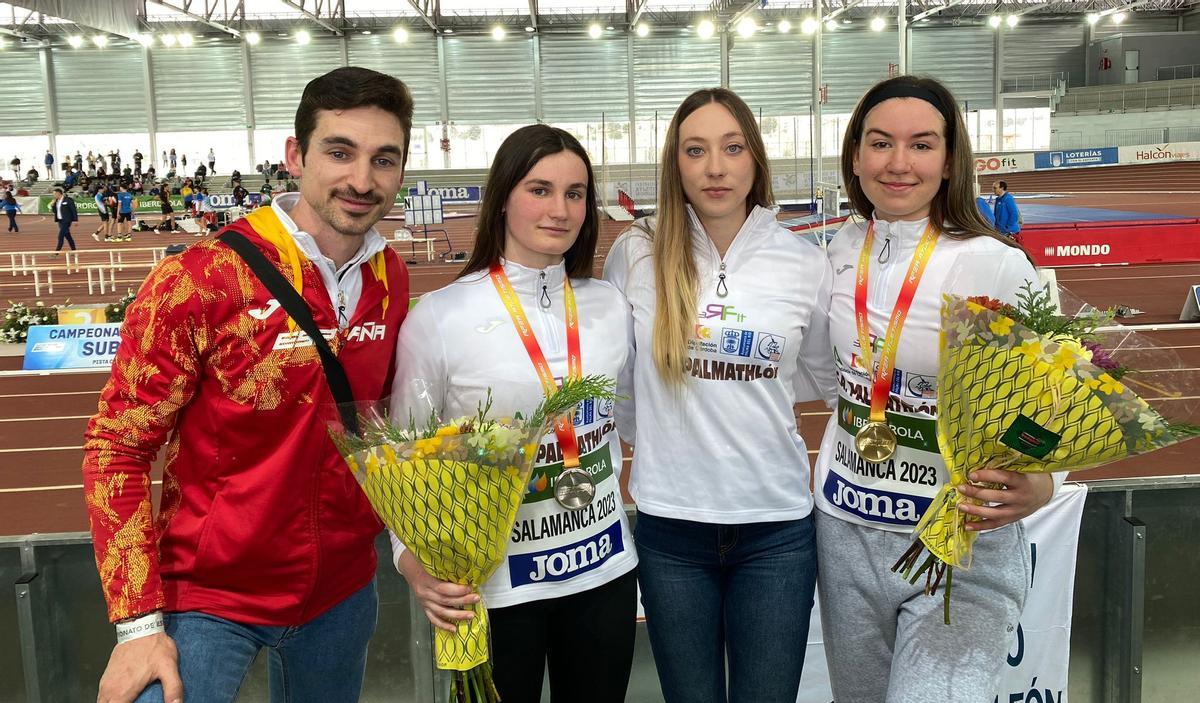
(262, 537)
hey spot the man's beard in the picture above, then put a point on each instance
(346, 224)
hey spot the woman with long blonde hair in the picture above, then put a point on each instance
(909, 174)
(730, 328)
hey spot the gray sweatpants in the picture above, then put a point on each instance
(885, 641)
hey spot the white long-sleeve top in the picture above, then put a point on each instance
(893, 495)
(724, 448)
(459, 342)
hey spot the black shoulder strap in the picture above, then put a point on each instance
(295, 306)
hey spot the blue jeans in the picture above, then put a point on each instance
(736, 593)
(322, 660)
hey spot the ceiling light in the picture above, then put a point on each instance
(1012, 21)
(185, 39)
(994, 21)
(643, 29)
(169, 40)
(253, 38)
(146, 40)
(878, 24)
(75, 41)
(366, 32)
(594, 31)
(498, 32)
(705, 29)
(530, 29)
(448, 30)
(784, 26)
(809, 25)
(100, 41)
(1119, 18)
(303, 37)
(747, 27)
(400, 34)
(831, 26)
(1093, 18)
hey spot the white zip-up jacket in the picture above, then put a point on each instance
(724, 448)
(459, 342)
(344, 285)
(893, 495)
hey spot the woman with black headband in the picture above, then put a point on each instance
(909, 175)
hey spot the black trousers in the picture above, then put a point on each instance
(586, 638)
(64, 235)
(12, 221)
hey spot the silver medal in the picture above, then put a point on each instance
(574, 488)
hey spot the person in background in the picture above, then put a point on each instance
(208, 214)
(49, 162)
(167, 222)
(137, 162)
(1008, 218)
(65, 214)
(239, 194)
(985, 208)
(11, 208)
(125, 208)
(212, 161)
(187, 192)
(107, 216)
(15, 165)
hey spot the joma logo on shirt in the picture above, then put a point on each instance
(562, 563)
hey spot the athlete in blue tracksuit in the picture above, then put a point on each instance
(1008, 220)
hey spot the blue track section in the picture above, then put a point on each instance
(1032, 213)
(1060, 214)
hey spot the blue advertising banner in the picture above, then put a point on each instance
(1076, 157)
(71, 346)
(452, 194)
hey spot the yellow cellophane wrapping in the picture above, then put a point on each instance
(455, 517)
(993, 370)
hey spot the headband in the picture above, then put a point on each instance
(904, 90)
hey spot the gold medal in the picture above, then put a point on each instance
(875, 442)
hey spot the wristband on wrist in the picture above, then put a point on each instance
(140, 627)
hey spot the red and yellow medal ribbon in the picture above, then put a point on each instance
(882, 379)
(564, 429)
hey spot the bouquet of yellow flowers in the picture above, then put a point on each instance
(450, 491)
(1026, 389)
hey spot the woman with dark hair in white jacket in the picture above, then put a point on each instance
(909, 175)
(565, 595)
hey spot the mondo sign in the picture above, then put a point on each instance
(1163, 241)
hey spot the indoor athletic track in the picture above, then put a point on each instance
(42, 416)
